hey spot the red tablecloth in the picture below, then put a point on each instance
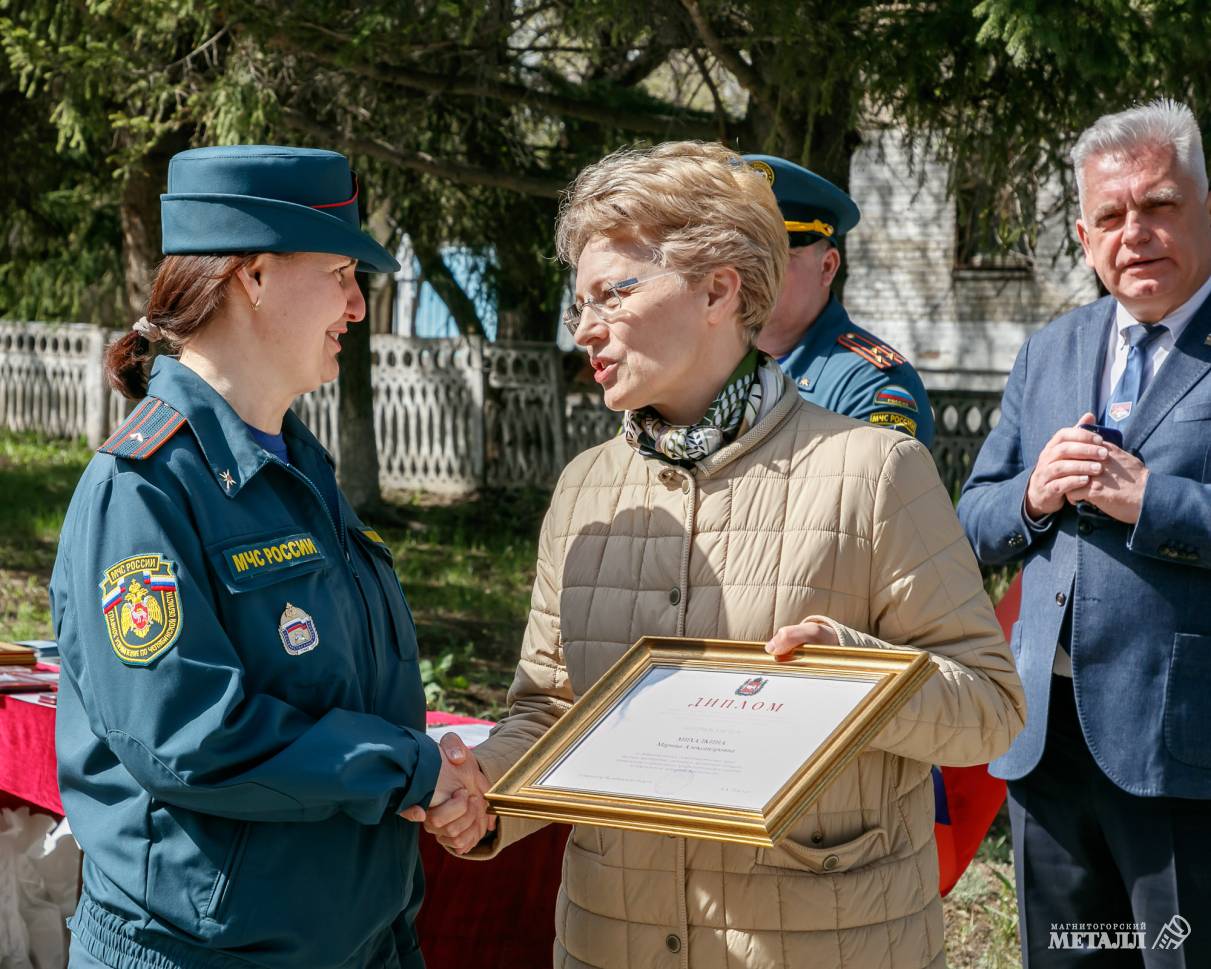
(502, 910)
(27, 753)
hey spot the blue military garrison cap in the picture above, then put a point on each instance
(812, 207)
(266, 198)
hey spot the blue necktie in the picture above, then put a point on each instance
(1130, 386)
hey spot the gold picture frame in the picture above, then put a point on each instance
(632, 701)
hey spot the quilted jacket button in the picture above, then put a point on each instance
(831, 862)
(817, 837)
(674, 596)
(1084, 528)
(672, 943)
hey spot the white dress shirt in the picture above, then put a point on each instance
(1158, 352)
(1116, 363)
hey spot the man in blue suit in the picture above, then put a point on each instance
(1109, 784)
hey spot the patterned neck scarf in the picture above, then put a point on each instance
(747, 396)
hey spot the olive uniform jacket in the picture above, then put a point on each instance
(807, 514)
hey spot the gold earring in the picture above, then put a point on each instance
(257, 304)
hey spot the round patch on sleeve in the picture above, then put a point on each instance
(894, 395)
(142, 607)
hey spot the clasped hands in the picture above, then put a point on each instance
(1078, 465)
(458, 813)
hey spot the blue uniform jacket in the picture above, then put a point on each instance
(1141, 627)
(241, 714)
(845, 369)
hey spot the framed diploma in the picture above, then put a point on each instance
(710, 738)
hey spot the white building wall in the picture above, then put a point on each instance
(960, 328)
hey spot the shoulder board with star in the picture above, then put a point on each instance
(145, 431)
(871, 350)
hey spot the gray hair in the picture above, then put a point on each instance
(1163, 123)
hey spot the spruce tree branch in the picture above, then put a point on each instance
(423, 162)
(742, 70)
(720, 112)
(725, 55)
(665, 123)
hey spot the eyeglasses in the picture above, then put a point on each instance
(610, 303)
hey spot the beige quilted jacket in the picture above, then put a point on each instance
(808, 514)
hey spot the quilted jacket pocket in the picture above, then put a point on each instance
(587, 837)
(863, 850)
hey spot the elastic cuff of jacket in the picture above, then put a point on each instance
(420, 788)
(845, 635)
(116, 942)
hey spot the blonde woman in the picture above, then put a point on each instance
(730, 508)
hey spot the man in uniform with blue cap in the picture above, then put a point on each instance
(834, 363)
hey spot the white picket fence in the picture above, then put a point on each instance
(449, 415)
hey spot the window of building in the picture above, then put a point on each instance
(994, 228)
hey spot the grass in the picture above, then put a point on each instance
(467, 567)
(37, 478)
(981, 911)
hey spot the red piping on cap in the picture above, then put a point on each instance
(349, 201)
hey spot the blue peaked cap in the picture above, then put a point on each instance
(266, 198)
(812, 207)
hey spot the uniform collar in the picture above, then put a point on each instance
(230, 450)
(808, 357)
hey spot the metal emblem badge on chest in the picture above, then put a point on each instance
(297, 630)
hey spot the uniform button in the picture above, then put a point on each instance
(1084, 528)
(831, 862)
(667, 476)
(672, 943)
(817, 837)
(1060, 598)
(674, 596)
(685, 485)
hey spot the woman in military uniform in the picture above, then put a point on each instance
(241, 718)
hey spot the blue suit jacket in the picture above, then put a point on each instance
(1140, 595)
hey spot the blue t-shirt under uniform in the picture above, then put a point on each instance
(275, 444)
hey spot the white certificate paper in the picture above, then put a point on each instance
(711, 737)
